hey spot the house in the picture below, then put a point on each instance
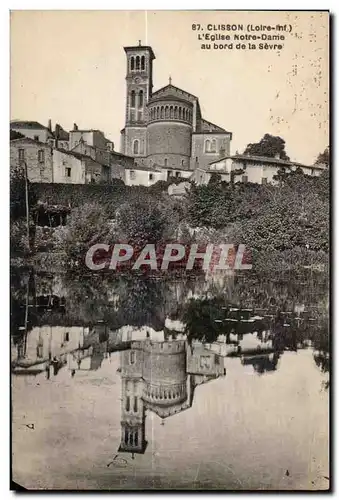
(116, 162)
(48, 165)
(141, 175)
(33, 130)
(61, 138)
(36, 155)
(92, 137)
(248, 168)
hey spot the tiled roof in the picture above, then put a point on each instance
(264, 159)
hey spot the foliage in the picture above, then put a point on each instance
(324, 158)
(149, 221)
(86, 226)
(268, 146)
(18, 194)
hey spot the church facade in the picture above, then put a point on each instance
(165, 128)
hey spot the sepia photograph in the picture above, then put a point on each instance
(170, 250)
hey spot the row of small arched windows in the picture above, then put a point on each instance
(172, 112)
(137, 63)
(140, 96)
(166, 394)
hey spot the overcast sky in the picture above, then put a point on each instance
(70, 66)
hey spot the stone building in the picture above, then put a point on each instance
(55, 165)
(166, 128)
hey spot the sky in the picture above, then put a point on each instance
(70, 66)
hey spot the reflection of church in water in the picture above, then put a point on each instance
(160, 377)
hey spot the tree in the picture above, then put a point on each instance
(87, 225)
(214, 179)
(144, 221)
(268, 146)
(324, 158)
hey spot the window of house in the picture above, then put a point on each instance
(264, 180)
(244, 178)
(136, 147)
(21, 154)
(177, 174)
(213, 146)
(141, 98)
(41, 156)
(151, 177)
(132, 357)
(128, 403)
(135, 406)
(182, 162)
(132, 175)
(165, 162)
(137, 62)
(207, 146)
(142, 62)
(36, 137)
(68, 171)
(132, 63)
(169, 173)
(66, 336)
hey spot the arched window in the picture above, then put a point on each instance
(175, 112)
(207, 146)
(135, 406)
(141, 99)
(127, 403)
(132, 63)
(171, 112)
(162, 112)
(133, 99)
(165, 162)
(142, 62)
(180, 115)
(213, 146)
(136, 147)
(166, 112)
(137, 62)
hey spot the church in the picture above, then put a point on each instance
(165, 128)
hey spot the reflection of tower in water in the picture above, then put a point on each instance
(160, 377)
(164, 375)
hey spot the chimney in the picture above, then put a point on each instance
(75, 126)
(57, 134)
(49, 126)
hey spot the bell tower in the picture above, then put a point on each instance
(139, 83)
